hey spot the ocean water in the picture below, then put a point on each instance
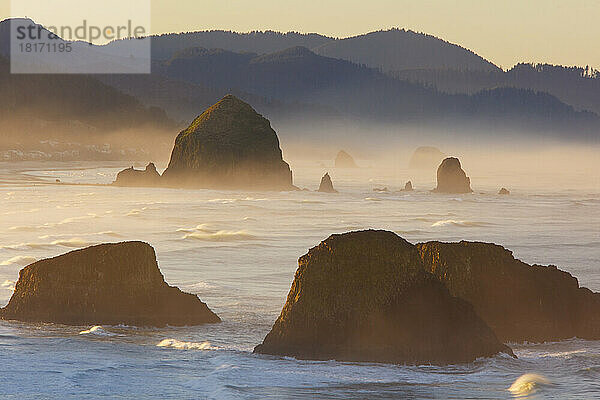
(238, 251)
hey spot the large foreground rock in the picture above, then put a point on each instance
(133, 177)
(229, 146)
(365, 296)
(451, 178)
(426, 158)
(106, 284)
(520, 302)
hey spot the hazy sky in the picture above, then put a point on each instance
(503, 31)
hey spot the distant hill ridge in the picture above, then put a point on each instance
(385, 49)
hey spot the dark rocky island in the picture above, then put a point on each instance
(520, 302)
(408, 187)
(133, 177)
(366, 296)
(107, 284)
(426, 157)
(229, 146)
(504, 192)
(326, 185)
(344, 160)
(451, 178)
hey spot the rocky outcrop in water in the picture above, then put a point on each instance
(451, 178)
(134, 177)
(365, 296)
(344, 160)
(107, 284)
(326, 185)
(229, 146)
(520, 302)
(408, 187)
(426, 158)
(504, 192)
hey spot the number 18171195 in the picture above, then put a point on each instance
(45, 47)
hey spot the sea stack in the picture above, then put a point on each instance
(408, 187)
(426, 158)
(327, 185)
(106, 284)
(229, 146)
(520, 302)
(365, 296)
(504, 192)
(344, 160)
(451, 178)
(134, 177)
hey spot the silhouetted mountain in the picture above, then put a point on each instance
(298, 83)
(73, 97)
(182, 100)
(75, 112)
(399, 49)
(165, 46)
(577, 86)
(299, 75)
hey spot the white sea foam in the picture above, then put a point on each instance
(70, 220)
(73, 242)
(30, 211)
(19, 260)
(23, 246)
(199, 286)
(24, 228)
(563, 354)
(528, 384)
(109, 233)
(464, 224)
(47, 225)
(9, 285)
(97, 331)
(220, 236)
(179, 345)
(203, 232)
(199, 228)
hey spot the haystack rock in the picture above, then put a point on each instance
(229, 146)
(451, 178)
(134, 177)
(327, 185)
(107, 284)
(344, 160)
(426, 157)
(504, 192)
(408, 187)
(520, 302)
(365, 296)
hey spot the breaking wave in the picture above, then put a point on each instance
(97, 331)
(528, 384)
(220, 236)
(74, 242)
(47, 225)
(179, 345)
(19, 260)
(199, 228)
(9, 285)
(203, 232)
(464, 224)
